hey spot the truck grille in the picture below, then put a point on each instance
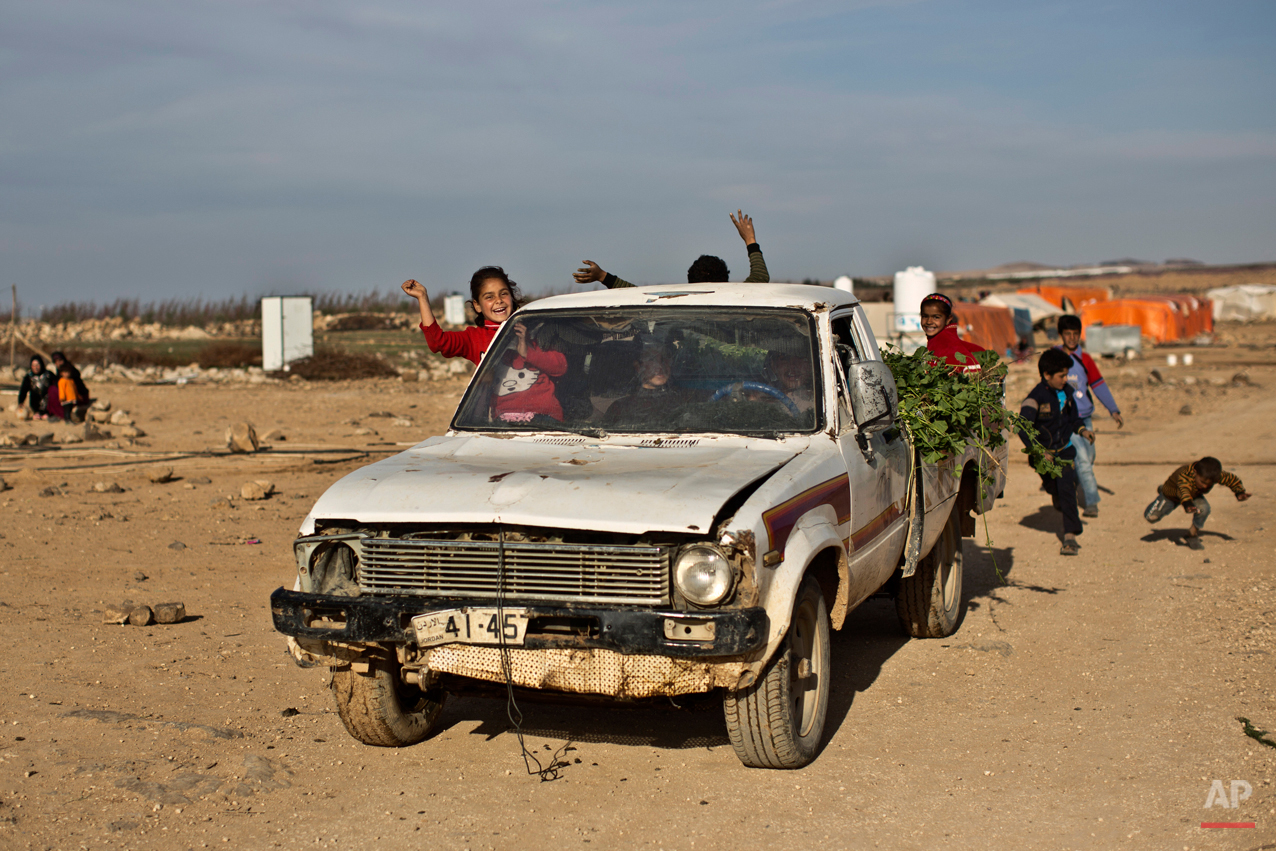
(583, 573)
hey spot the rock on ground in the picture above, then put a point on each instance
(170, 612)
(260, 489)
(242, 438)
(116, 613)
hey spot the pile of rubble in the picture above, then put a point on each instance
(433, 369)
(117, 328)
(175, 375)
(365, 322)
(102, 424)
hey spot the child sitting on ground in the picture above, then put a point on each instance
(1187, 487)
(1051, 407)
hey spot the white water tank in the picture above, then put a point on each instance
(844, 283)
(287, 330)
(911, 286)
(454, 309)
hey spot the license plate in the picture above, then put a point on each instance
(471, 625)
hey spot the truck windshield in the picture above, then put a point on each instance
(633, 370)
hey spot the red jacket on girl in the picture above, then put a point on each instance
(523, 384)
(946, 344)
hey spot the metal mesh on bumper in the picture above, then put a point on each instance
(592, 671)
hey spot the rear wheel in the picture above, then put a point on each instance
(778, 722)
(379, 708)
(928, 603)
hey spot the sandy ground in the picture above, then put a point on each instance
(1084, 703)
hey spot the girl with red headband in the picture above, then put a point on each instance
(941, 332)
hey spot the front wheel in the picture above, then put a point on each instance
(379, 708)
(778, 722)
(928, 603)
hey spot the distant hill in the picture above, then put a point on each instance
(1126, 261)
(1019, 266)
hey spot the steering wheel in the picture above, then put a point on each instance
(778, 395)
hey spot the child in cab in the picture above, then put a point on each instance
(1186, 487)
(1050, 406)
(940, 327)
(524, 384)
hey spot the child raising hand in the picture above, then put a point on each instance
(524, 386)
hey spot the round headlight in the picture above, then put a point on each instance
(703, 575)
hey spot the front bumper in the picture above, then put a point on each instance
(357, 620)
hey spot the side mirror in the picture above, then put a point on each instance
(873, 396)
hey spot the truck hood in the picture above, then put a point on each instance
(597, 485)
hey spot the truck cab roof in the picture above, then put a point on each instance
(802, 296)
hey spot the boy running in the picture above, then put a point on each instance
(1085, 378)
(1051, 406)
(1187, 487)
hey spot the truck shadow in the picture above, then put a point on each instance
(872, 634)
(868, 639)
(987, 571)
(680, 723)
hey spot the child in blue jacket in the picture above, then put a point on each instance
(1052, 408)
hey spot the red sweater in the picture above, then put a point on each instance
(469, 343)
(523, 385)
(946, 344)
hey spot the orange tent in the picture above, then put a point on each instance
(1159, 318)
(1078, 296)
(1198, 313)
(985, 325)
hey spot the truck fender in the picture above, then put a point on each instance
(815, 533)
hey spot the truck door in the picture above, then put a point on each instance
(878, 470)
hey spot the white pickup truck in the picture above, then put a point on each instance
(647, 492)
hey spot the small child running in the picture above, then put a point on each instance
(1052, 408)
(1187, 487)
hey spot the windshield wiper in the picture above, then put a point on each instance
(585, 431)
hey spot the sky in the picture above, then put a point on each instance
(184, 149)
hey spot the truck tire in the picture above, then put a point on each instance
(378, 708)
(928, 603)
(778, 722)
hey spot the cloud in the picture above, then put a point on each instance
(239, 146)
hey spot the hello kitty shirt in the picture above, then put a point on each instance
(524, 386)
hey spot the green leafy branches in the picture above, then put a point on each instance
(944, 408)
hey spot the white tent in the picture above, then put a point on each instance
(1038, 308)
(1243, 303)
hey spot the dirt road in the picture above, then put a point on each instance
(1084, 703)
